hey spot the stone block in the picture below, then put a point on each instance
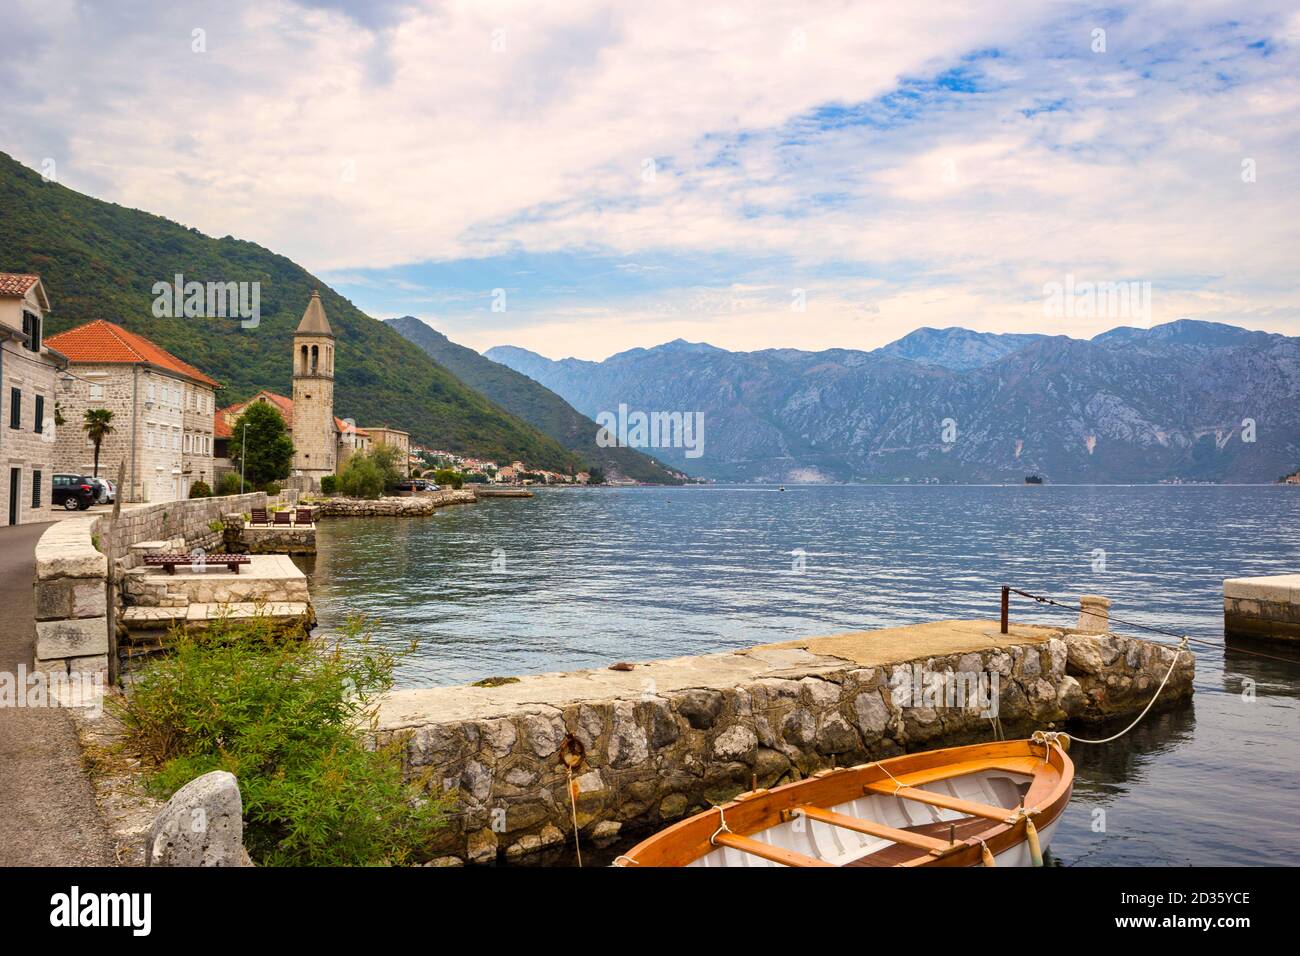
(80, 637)
(201, 825)
(89, 599)
(54, 599)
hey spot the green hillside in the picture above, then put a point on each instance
(99, 260)
(534, 403)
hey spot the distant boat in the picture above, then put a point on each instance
(1033, 479)
(994, 804)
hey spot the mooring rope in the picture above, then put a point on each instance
(573, 806)
(1147, 627)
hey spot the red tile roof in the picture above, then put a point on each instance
(17, 283)
(103, 342)
(225, 417)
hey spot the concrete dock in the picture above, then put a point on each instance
(1263, 608)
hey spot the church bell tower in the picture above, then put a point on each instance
(314, 442)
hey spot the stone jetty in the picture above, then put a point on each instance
(1264, 608)
(662, 739)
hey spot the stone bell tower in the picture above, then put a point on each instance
(314, 441)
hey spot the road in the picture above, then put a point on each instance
(49, 817)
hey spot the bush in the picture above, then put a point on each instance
(360, 477)
(329, 484)
(289, 720)
(200, 489)
(446, 476)
(272, 488)
(229, 484)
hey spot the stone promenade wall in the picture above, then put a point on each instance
(72, 571)
(193, 520)
(654, 756)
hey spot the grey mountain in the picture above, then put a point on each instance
(534, 403)
(1188, 400)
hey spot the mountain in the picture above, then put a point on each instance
(1190, 332)
(99, 260)
(532, 402)
(958, 348)
(1192, 402)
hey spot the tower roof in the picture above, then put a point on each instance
(313, 320)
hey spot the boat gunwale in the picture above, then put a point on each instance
(755, 811)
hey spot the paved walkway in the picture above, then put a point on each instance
(48, 815)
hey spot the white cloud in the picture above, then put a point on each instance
(448, 131)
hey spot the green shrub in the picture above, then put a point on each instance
(446, 476)
(229, 484)
(289, 719)
(272, 488)
(361, 477)
(329, 484)
(200, 489)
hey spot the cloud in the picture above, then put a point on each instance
(931, 163)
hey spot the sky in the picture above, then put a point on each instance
(581, 178)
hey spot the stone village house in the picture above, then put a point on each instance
(29, 371)
(162, 413)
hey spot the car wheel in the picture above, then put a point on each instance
(71, 504)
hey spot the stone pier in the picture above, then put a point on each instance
(662, 739)
(1265, 608)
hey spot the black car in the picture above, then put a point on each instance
(74, 491)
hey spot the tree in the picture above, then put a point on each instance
(360, 477)
(98, 426)
(448, 476)
(390, 462)
(269, 454)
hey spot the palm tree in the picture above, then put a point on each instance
(98, 426)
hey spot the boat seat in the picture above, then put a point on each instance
(967, 807)
(768, 852)
(871, 828)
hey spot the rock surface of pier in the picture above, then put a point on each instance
(669, 737)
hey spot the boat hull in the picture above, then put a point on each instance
(961, 806)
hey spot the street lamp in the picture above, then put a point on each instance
(243, 457)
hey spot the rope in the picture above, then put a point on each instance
(1050, 738)
(898, 784)
(573, 806)
(722, 827)
(1147, 627)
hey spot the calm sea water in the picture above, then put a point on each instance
(583, 578)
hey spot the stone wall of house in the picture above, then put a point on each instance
(653, 758)
(29, 448)
(422, 504)
(160, 429)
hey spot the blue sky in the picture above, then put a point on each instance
(763, 175)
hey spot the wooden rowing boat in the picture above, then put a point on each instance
(987, 804)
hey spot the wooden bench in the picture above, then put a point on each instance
(169, 561)
(303, 516)
(283, 517)
(258, 516)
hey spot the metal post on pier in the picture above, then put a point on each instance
(1006, 606)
